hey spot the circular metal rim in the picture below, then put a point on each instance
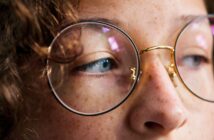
(177, 71)
(137, 54)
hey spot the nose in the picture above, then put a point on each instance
(157, 109)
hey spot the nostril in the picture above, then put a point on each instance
(153, 126)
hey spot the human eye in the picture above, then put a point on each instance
(99, 66)
(194, 61)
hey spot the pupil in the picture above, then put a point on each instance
(105, 63)
(196, 60)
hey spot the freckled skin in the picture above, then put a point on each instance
(155, 110)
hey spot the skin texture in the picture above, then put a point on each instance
(156, 110)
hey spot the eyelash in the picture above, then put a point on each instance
(95, 67)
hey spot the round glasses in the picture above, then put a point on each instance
(93, 67)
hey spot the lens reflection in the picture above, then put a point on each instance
(99, 75)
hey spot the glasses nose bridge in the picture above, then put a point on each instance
(171, 68)
(170, 48)
(160, 47)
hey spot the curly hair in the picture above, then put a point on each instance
(26, 29)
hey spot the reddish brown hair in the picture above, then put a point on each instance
(26, 28)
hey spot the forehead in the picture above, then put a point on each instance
(142, 7)
(144, 18)
(138, 11)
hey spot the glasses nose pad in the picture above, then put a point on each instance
(172, 73)
(133, 73)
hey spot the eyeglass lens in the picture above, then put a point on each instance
(194, 57)
(99, 74)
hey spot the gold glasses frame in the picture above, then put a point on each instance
(171, 69)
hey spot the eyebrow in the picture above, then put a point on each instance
(118, 22)
(188, 17)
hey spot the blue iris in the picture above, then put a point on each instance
(98, 66)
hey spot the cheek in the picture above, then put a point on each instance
(203, 121)
(66, 125)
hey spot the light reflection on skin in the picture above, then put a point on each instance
(105, 30)
(114, 45)
(201, 41)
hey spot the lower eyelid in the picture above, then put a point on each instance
(90, 75)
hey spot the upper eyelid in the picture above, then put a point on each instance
(91, 57)
(195, 50)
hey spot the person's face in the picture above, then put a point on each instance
(156, 110)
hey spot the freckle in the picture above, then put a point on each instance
(122, 107)
(150, 77)
(86, 99)
(111, 118)
(77, 96)
(157, 87)
(77, 124)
